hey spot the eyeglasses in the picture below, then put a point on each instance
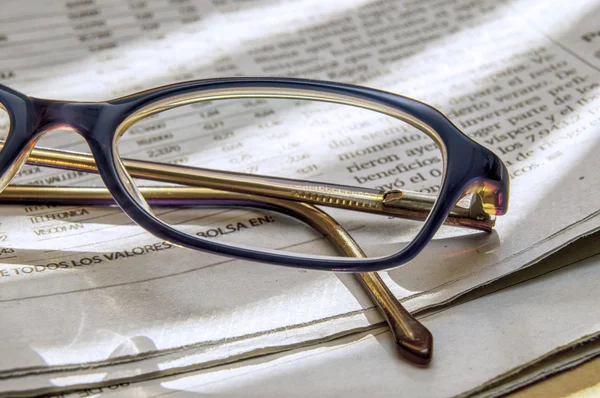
(236, 128)
(455, 166)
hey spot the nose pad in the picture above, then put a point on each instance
(16, 166)
(131, 186)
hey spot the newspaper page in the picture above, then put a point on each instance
(83, 287)
(514, 360)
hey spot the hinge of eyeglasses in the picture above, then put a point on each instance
(468, 211)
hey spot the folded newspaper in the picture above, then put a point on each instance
(468, 365)
(89, 297)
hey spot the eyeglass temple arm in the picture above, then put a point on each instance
(414, 341)
(469, 212)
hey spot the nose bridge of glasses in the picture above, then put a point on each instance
(80, 117)
(50, 116)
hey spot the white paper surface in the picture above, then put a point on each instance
(502, 334)
(102, 306)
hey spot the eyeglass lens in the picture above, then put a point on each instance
(299, 139)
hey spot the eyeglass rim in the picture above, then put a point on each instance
(470, 167)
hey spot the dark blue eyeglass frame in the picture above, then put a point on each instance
(469, 167)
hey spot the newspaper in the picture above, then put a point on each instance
(469, 367)
(83, 287)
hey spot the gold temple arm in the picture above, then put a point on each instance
(413, 339)
(469, 212)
